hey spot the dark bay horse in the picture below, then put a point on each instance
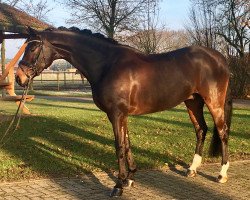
(126, 82)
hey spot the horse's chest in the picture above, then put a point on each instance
(98, 101)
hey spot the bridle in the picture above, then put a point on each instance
(32, 66)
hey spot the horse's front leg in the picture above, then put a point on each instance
(119, 123)
(130, 162)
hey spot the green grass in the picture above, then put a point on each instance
(71, 138)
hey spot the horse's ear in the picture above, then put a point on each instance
(32, 31)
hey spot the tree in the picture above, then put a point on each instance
(108, 16)
(215, 21)
(39, 10)
(159, 41)
(148, 35)
(152, 36)
(230, 23)
(201, 27)
(173, 40)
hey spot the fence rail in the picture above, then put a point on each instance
(59, 80)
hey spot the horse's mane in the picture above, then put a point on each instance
(84, 32)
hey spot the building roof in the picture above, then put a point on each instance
(16, 21)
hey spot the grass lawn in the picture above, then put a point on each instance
(71, 138)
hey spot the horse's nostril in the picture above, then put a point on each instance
(18, 79)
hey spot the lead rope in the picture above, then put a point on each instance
(8, 131)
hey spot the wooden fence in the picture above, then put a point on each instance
(59, 80)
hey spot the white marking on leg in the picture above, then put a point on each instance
(196, 162)
(224, 169)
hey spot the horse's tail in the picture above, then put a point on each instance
(215, 146)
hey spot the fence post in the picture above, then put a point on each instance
(58, 86)
(3, 62)
(64, 78)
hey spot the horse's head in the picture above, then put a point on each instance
(38, 56)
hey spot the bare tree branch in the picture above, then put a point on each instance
(108, 16)
(221, 19)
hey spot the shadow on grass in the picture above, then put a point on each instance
(67, 99)
(246, 116)
(63, 106)
(44, 139)
(44, 149)
(240, 134)
(163, 120)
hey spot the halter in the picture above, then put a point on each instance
(33, 65)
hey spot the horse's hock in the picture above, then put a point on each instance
(14, 22)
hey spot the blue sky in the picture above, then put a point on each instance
(173, 14)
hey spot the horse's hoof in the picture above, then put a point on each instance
(129, 183)
(222, 179)
(116, 192)
(191, 173)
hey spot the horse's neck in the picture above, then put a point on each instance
(88, 55)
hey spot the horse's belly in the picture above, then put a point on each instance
(150, 108)
(154, 102)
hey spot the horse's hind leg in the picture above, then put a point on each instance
(216, 106)
(219, 105)
(195, 110)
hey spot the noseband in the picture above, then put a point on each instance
(32, 66)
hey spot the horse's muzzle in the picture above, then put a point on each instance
(21, 78)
